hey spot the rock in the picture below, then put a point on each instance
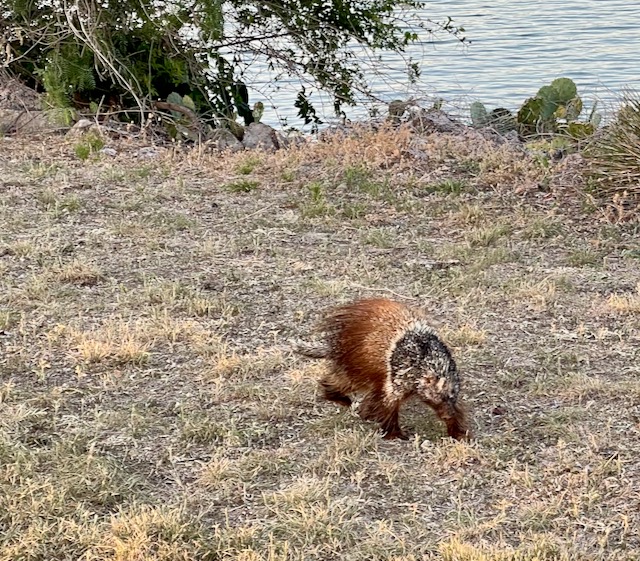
(292, 138)
(397, 109)
(17, 96)
(25, 121)
(259, 135)
(82, 124)
(82, 127)
(21, 109)
(433, 120)
(147, 153)
(108, 151)
(224, 139)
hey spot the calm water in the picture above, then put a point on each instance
(516, 47)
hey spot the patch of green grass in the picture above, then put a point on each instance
(143, 172)
(489, 235)
(582, 257)
(357, 177)
(39, 169)
(561, 423)
(47, 198)
(564, 283)
(114, 174)
(381, 238)
(631, 253)
(88, 145)
(171, 221)
(178, 296)
(248, 164)
(469, 166)
(542, 228)
(317, 191)
(353, 211)
(287, 175)
(202, 429)
(59, 205)
(448, 187)
(318, 205)
(70, 203)
(479, 258)
(242, 185)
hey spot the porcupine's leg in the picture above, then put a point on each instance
(332, 392)
(454, 416)
(391, 425)
(374, 408)
(370, 407)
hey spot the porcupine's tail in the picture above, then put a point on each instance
(311, 350)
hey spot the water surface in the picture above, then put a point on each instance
(515, 48)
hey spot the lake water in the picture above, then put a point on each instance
(515, 48)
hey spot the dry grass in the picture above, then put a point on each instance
(151, 407)
(626, 303)
(614, 153)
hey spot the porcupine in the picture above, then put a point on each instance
(387, 351)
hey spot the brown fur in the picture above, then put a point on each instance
(360, 339)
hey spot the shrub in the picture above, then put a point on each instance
(614, 155)
(188, 56)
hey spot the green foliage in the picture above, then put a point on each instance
(182, 100)
(90, 144)
(500, 119)
(479, 115)
(316, 190)
(555, 108)
(306, 110)
(448, 187)
(318, 205)
(127, 54)
(66, 70)
(565, 89)
(248, 165)
(243, 185)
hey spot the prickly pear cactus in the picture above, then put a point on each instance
(554, 107)
(565, 88)
(531, 117)
(479, 116)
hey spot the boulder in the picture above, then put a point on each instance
(259, 135)
(21, 109)
(433, 120)
(17, 96)
(25, 121)
(82, 127)
(224, 139)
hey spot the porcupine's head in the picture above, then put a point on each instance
(421, 363)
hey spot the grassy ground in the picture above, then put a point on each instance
(151, 407)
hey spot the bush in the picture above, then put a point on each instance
(555, 109)
(614, 154)
(128, 54)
